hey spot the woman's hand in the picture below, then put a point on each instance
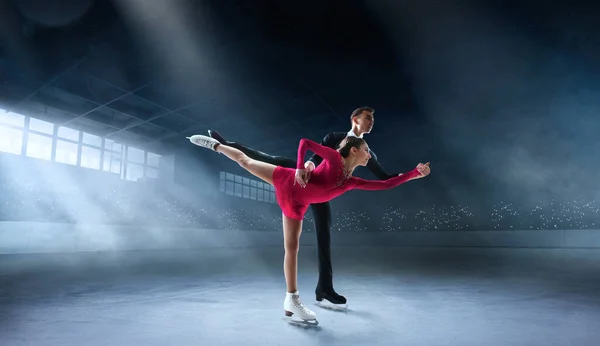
(424, 169)
(302, 176)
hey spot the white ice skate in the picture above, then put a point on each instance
(204, 141)
(296, 312)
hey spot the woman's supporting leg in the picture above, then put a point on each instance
(292, 305)
(291, 239)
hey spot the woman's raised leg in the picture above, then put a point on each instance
(259, 169)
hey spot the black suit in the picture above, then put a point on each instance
(321, 211)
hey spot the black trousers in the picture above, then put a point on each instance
(321, 214)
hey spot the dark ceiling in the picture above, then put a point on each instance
(262, 72)
(461, 83)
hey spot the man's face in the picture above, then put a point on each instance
(365, 122)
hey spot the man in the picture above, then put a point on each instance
(362, 120)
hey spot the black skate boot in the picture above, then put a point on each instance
(214, 134)
(337, 301)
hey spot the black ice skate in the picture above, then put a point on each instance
(335, 300)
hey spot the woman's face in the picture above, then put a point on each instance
(362, 154)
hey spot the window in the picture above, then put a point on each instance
(153, 159)
(14, 119)
(41, 126)
(236, 185)
(11, 140)
(111, 145)
(112, 163)
(259, 194)
(96, 152)
(68, 133)
(90, 157)
(134, 172)
(39, 146)
(93, 140)
(222, 181)
(229, 187)
(135, 155)
(66, 152)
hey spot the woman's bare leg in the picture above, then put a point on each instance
(291, 238)
(259, 169)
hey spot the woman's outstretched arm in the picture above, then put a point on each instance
(421, 171)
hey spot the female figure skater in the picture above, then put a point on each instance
(330, 179)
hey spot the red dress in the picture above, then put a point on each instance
(327, 181)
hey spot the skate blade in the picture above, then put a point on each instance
(331, 306)
(300, 322)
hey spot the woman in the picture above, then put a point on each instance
(330, 179)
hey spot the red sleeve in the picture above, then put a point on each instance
(373, 185)
(326, 153)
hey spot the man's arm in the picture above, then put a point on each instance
(377, 169)
(315, 160)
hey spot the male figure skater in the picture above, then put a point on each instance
(362, 121)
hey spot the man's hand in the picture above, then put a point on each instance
(302, 176)
(424, 169)
(309, 166)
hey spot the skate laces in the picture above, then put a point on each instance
(298, 304)
(206, 142)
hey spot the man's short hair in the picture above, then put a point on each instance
(360, 110)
